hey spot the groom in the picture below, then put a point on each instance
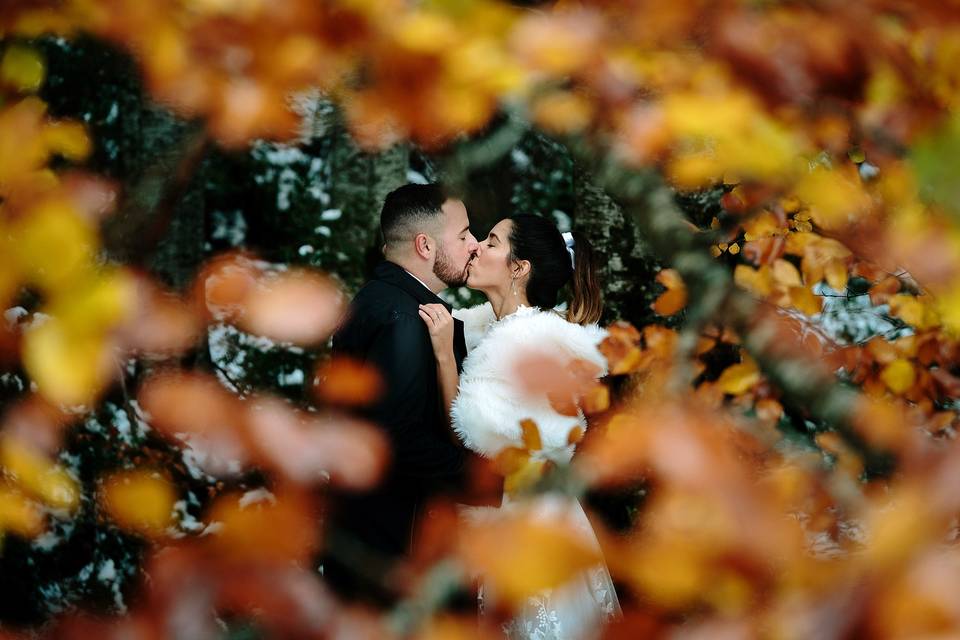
(427, 245)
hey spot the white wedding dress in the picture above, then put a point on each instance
(486, 416)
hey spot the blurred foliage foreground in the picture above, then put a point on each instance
(790, 472)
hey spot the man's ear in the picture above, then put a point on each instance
(423, 245)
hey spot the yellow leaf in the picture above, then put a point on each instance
(739, 378)
(693, 171)
(899, 376)
(525, 477)
(562, 112)
(730, 593)
(19, 514)
(835, 197)
(54, 229)
(948, 308)
(759, 282)
(511, 460)
(786, 274)
(671, 573)
(797, 243)
(805, 300)
(140, 501)
(22, 67)
(38, 476)
(913, 311)
(836, 273)
(762, 225)
(531, 435)
(425, 32)
(790, 204)
(67, 368)
(68, 139)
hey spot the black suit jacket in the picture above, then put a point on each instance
(384, 329)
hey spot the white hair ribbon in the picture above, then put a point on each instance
(568, 239)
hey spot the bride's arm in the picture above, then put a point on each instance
(440, 325)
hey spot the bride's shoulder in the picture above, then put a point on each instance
(476, 321)
(547, 329)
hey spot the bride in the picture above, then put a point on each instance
(521, 267)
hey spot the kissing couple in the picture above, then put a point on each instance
(451, 390)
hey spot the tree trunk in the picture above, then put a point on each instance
(627, 266)
(359, 182)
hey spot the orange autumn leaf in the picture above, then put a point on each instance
(225, 283)
(621, 358)
(278, 529)
(447, 627)
(883, 424)
(596, 399)
(344, 381)
(558, 378)
(295, 306)
(769, 411)
(563, 403)
(526, 552)
(188, 402)
(674, 298)
(309, 448)
(163, 323)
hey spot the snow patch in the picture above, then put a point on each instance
(256, 496)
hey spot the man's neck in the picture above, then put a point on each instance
(431, 282)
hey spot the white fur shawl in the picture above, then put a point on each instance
(489, 405)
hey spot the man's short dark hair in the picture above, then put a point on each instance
(411, 209)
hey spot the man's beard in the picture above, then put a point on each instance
(444, 269)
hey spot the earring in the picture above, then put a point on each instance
(513, 286)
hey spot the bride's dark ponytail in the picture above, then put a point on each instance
(586, 301)
(538, 240)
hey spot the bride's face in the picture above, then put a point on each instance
(490, 267)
